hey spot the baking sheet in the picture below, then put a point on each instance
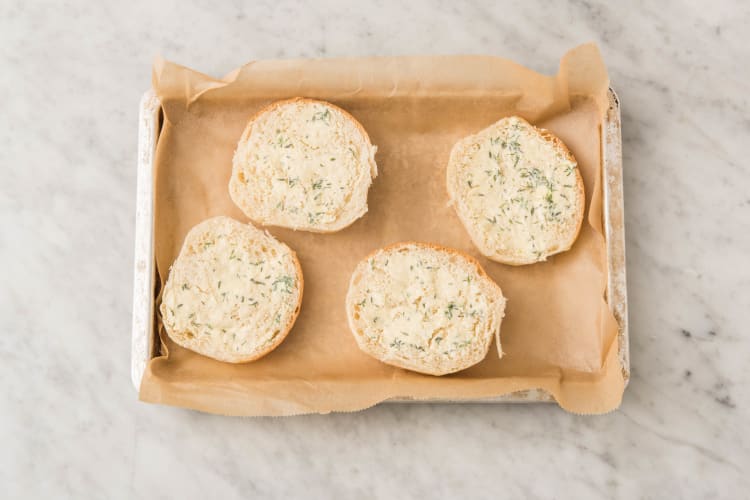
(342, 378)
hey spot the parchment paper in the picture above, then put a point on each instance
(558, 333)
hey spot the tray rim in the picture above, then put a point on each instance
(142, 327)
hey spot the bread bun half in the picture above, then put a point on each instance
(303, 164)
(233, 293)
(517, 191)
(424, 307)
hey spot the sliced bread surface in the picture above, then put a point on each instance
(233, 293)
(424, 307)
(517, 191)
(303, 164)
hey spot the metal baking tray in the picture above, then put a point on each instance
(145, 340)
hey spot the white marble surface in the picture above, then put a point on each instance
(71, 75)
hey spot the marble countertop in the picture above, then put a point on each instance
(72, 73)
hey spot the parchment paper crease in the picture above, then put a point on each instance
(558, 333)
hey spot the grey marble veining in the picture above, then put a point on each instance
(71, 75)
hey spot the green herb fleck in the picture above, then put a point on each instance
(323, 116)
(449, 310)
(321, 184)
(287, 282)
(289, 180)
(494, 173)
(312, 218)
(513, 146)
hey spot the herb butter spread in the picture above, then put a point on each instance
(424, 308)
(233, 292)
(303, 164)
(517, 190)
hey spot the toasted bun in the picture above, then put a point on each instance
(233, 293)
(303, 164)
(424, 307)
(518, 192)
